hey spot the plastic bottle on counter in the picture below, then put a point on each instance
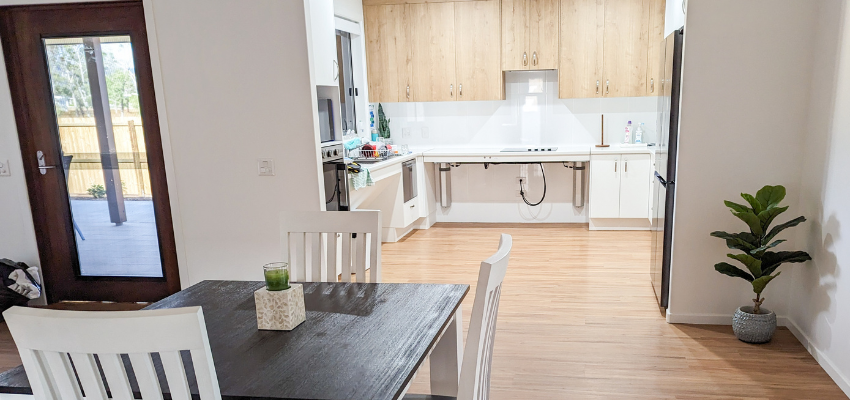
(639, 133)
(628, 138)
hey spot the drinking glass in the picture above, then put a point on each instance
(277, 276)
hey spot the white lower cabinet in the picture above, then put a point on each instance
(620, 185)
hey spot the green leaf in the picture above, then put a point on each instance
(737, 207)
(781, 227)
(766, 217)
(770, 261)
(731, 270)
(743, 241)
(753, 265)
(770, 196)
(757, 207)
(752, 221)
(760, 283)
(767, 246)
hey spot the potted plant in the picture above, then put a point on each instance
(755, 324)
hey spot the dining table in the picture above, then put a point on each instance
(359, 341)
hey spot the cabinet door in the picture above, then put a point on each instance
(635, 186)
(625, 47)
(387, 52)
(542, 34)
(580, 69)
(479, 72)
(433, 51)
(656, 47)
(322, 25)
(514, 35)
(605, 186)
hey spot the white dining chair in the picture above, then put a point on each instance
(322, 245)
(474, 383)
(53, 344)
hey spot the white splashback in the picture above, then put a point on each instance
(531, 115)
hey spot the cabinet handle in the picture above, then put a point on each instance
(336, 71)
(460, 89)
(534, 58)
(452, 90)
(408, 92)
(627, 166)
(607, 83)
(615, 166)
(652, 85)
(524, 59)
(597, 86)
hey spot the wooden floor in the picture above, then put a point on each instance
(578, 320)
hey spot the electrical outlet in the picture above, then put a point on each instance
(265, 167)
(425, 132)
(520, 180)
(518, 194)
(405, 132)
(4, 168)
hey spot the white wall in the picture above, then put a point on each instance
(744, 105)
(237, 87)
(820, 292)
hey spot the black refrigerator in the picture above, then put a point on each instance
(664, 184)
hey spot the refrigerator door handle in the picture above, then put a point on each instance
(660, 179)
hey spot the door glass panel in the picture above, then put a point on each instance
(102, 138)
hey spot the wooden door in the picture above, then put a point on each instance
(93, 243)
(580, 68)
(635, 185)
(543, 34)
(433, 51)
(605, 186)
(625, 47)
(479, 72)
(387, 52)
(515, 54)
(654, 53)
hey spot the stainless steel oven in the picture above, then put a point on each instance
(335, 175)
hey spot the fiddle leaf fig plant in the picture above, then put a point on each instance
(756, 244)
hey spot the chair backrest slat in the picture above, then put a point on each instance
(116, 376)
(351, 240)
(474, 381)
(54, 344)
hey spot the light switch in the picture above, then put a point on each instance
(425, 132)
(265, 166)
(4, 168)
(405, 132)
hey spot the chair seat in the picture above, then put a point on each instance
(427, 397)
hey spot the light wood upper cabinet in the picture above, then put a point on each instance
(656, 47)
(479, 73)
(529, 34)
(543, 33)
(388, 54)
(433, 51)
(625, 47)
(580, 66)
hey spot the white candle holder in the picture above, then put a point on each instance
(280, 310)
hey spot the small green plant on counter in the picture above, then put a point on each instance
(97, 191)
(383, 123)
(756, 244)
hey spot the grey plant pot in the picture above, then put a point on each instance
(754, 328)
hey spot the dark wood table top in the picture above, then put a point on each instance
(360, 340)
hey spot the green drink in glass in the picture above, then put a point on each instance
(277, 276)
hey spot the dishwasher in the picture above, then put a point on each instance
(408, 180)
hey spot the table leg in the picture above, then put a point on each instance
(447, 357)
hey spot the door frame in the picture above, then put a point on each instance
(177, 272)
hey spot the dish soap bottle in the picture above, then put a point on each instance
(639, 133)
(628, 138)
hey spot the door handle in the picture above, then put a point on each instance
(615, 166)
(356, 93)
(627, 166)
(336, 71)
(524, 59)
(534, 58)
(42, 166)
(660, 179)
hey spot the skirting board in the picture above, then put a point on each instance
(726, 319)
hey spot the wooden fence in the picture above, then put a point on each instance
(79, 139)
